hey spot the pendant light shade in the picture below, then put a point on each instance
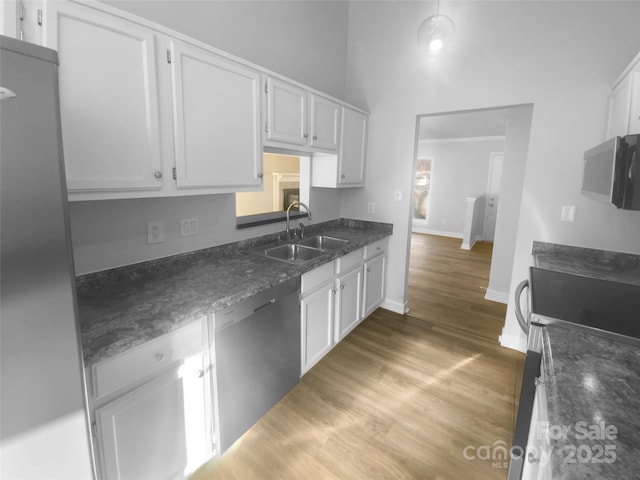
(435, 35)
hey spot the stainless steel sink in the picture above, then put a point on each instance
(323, 242)
(293, 253)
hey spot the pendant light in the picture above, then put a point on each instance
(435, 34)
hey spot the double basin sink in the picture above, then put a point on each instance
(305, 249)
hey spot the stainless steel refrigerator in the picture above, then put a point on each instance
(43, 421)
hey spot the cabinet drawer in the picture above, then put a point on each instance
(316, 277)
(375, 248)
(349, 261)
(133, 365)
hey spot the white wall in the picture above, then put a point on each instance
(113, 233)
(460, 168)
(560, 56)
(304, 40)
(513, 173)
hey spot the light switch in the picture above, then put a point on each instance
(568, 213)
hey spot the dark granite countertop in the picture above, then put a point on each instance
(603, 264)
(595, 380)
(125, 307)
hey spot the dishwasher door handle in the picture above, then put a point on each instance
(268, 304)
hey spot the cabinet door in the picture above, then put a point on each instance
(108, 99)
(325, 116)
(373, 284)
(286, 113)
(348, 301)
(158, 430)
(352, 148)
(317, 325)
(216, 108)
(619, 108)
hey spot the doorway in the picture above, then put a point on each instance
(472, 153)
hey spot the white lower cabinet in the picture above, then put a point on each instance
(374, 276)
(317, 317)
(158, 425)
(337, 296)
(348, 300)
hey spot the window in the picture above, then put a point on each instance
(421, 189)
(286, 179)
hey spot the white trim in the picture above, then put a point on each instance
(430, 231)
(282, 177)
(396, 307)
(497, 296)
(515, 342)
(474, 240)
(426, 141)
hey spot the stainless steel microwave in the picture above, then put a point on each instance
(612, 173)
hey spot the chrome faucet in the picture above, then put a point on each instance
(300, 204)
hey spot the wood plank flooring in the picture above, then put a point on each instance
(447, 285)
(399, 398)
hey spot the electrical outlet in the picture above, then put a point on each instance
(371, 207)
(189, 226)
(155, 232)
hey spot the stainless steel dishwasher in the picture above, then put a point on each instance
(257, 350)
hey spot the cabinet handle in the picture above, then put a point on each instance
(334, 291)
(368, 270)
(341, 287)
(343, 176)
(315, 137)
(200, 373)
(531, 458)
(158, 174)
(260, 175)
(306, 135)
(159, 357)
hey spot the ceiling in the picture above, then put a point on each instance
(471, 123)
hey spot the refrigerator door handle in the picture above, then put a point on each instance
(522, 321)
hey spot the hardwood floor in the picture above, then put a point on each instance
(399, 398)
(447, 285)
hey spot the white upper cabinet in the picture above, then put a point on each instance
(216, 113)
(347, 168)
(149, 112)
(624, 103)
(286, 113)
(325, 120)
(108, 99)
(353, 147)
(300, 118)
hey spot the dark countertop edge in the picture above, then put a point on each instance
(97, 280)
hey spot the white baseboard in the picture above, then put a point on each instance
(396, 307)
(497, 296)
(514, 342)
(431, 231)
